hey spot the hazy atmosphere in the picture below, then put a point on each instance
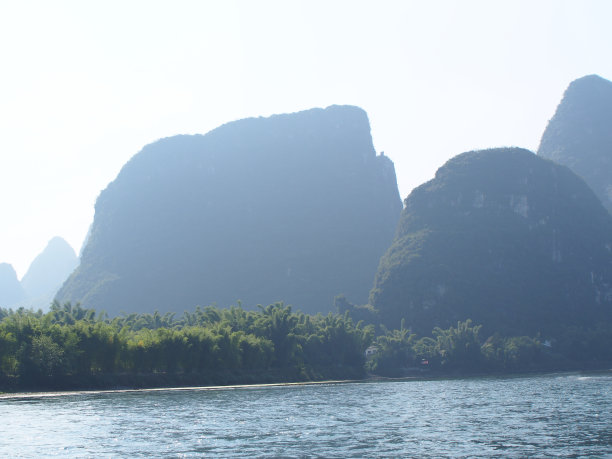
(85, 85)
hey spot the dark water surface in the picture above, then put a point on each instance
(551, 415)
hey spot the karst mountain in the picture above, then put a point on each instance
(504, 237)
(580, 134)
(295, 208)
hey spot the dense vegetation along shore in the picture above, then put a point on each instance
(75, 348)
(72, 347)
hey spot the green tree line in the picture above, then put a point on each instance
(461, 349)
(74, 347)
(71, 343)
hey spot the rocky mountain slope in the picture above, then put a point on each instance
(295, 208)
(513, 241)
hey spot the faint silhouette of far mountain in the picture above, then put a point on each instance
(513, 241)
(580, 134)
(295, 208)
(48, 271)
(10, 289)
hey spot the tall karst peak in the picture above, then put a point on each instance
(580, 134)
(513, 241)
(295, 208)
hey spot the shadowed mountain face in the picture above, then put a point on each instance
(508, 239)
(296, 207)
(50, 269)
(580, 134)
(10, 289)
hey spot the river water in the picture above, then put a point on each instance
(544, 416)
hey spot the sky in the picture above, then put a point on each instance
(84, 85)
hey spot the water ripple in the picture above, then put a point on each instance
(543, 416)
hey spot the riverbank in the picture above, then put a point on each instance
(423, 376)
(29, 395)
(162, 381)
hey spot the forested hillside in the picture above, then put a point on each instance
(515, 242)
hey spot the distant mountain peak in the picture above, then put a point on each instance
(590, 95)
(579, 135)
(58, 241)
(590, 81)
(49, 269)
(10, 289)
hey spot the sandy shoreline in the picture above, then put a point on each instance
(29, 395)
(371, 378)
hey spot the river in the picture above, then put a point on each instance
(552, 415)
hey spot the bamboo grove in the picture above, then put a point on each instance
(72, 346)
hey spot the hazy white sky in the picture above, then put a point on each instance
(85, 85)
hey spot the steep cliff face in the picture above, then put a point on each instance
(10, 289)
(49, 269)
(295, 207)
(580, 134)
(508, 239)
